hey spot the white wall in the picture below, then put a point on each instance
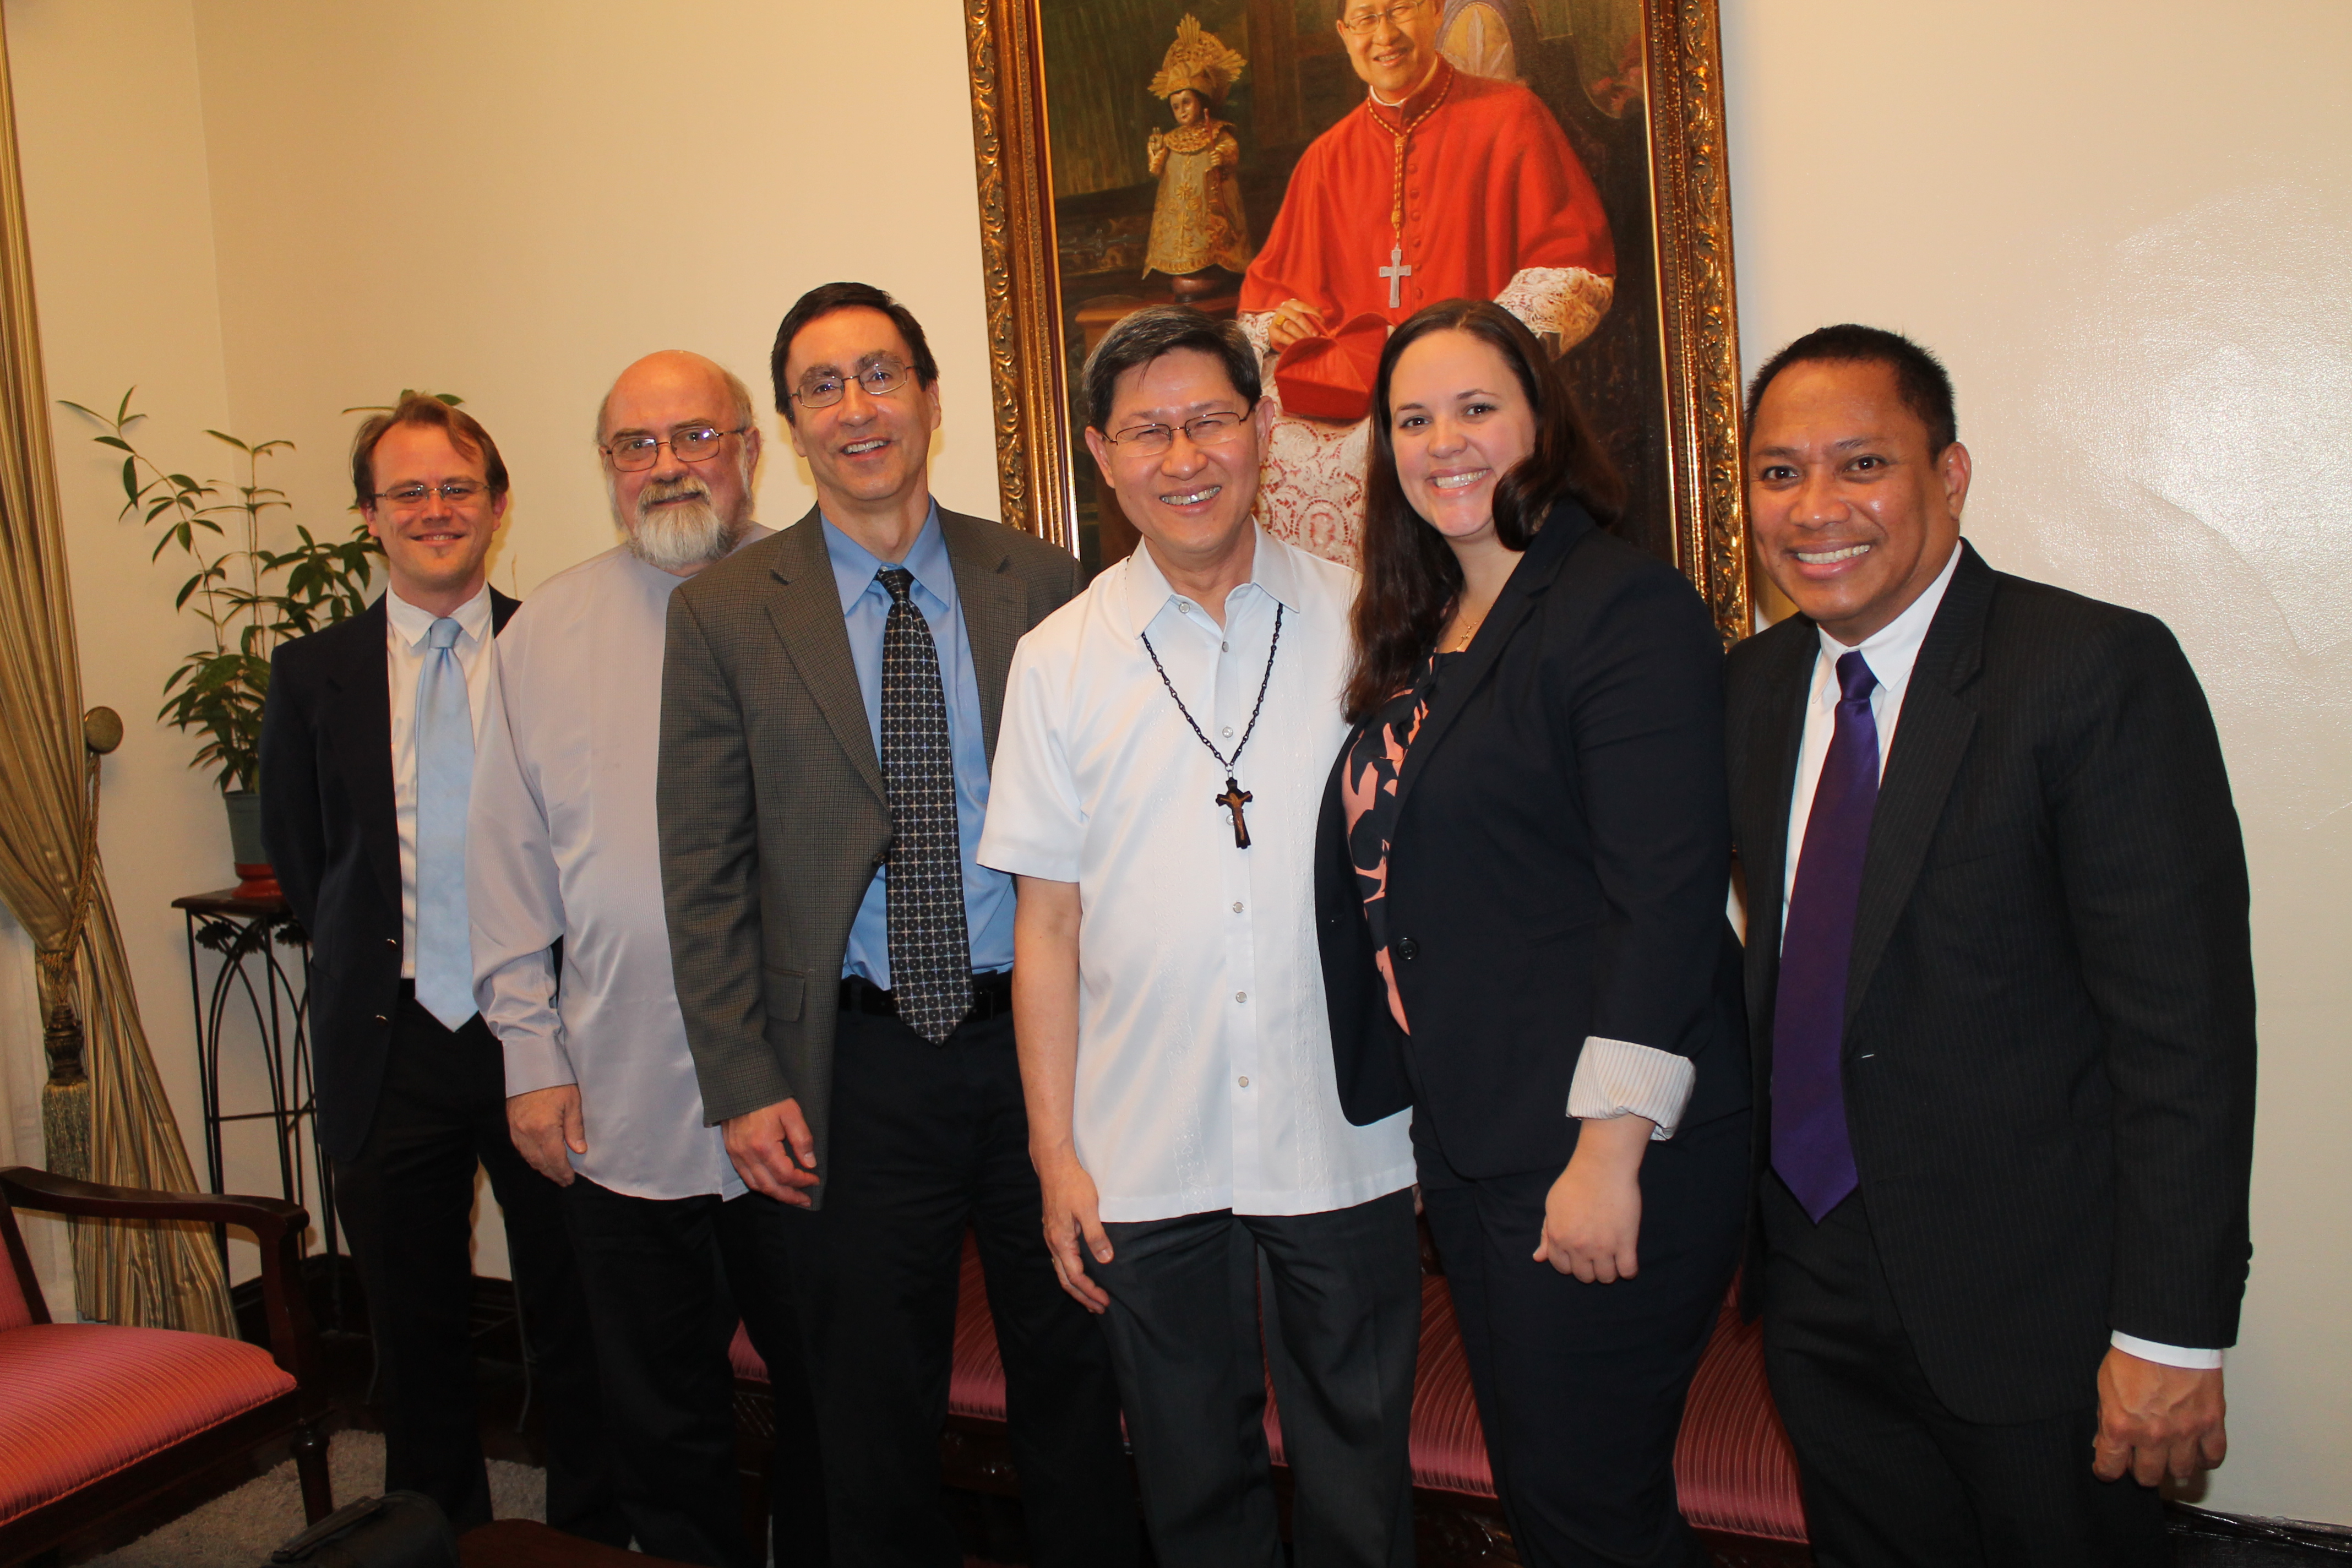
(2124, 227)
(2127, 228)
(513, 200)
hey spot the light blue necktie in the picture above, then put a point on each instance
(445, 777)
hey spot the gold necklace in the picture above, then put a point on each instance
(1397, 271)
(1401, 131)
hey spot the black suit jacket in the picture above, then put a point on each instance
(1557, 868)
(2048, 1051)
(328, 821)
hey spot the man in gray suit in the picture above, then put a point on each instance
(829, 710)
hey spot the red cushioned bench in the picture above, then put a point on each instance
(1733, 1470)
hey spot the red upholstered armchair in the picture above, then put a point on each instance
(95, 1418)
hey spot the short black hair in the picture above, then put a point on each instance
(823, 301)
(1920, 379)
(1158, 330)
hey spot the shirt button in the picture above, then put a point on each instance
(1240, 995)
(1238, 906)
(1227, 732)
(1225, 648)
(1245, 1081)
(1407, 948)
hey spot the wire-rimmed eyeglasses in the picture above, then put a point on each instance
(1202, 430)
(823, 386)
(689, 442)
(1395, 15)
(456, 492)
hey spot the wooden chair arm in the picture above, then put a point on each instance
(268, 1218)
(278, 1226)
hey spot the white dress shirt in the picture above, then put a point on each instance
(562, 843)
(1891, 652)
(1204, 1072)
(406, 626)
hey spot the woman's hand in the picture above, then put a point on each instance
(1592, 1219)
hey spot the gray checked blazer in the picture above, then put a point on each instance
(773, 813)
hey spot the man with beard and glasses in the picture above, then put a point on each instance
(601, 1097)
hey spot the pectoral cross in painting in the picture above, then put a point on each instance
(1232, 800)
(1396, 272)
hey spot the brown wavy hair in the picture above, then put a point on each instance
(1410, 577)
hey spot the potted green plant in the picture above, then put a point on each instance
(249, 598)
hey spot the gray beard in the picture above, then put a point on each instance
(683, 535)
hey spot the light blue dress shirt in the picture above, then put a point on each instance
(865, 608)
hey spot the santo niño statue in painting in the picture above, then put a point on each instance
(1200, 236)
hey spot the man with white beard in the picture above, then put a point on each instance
(602, 1097)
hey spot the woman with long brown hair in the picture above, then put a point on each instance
(1520, 883)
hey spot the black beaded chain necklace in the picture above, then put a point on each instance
(1235, 797)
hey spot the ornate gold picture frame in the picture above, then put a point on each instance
(1636, 85)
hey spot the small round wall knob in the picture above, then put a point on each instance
(101, 729)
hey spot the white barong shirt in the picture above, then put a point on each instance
(1205, 1074)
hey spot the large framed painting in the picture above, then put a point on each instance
(1319, 169)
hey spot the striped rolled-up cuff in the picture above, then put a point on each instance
(1618, 1077)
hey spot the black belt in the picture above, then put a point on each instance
(991, 995)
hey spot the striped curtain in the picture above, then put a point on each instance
(104, 1114)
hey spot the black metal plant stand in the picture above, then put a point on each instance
(253, 977)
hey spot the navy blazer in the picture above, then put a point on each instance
(1558, 867)
(329, 823)
(2048, 1051)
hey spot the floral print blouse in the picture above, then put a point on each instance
(1368, 786)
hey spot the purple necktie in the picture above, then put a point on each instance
(1809, 1146)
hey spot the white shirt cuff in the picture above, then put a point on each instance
(2166, 1355)
(1618, 1077)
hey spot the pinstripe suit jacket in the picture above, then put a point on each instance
(770, 797)
(2048, 1051)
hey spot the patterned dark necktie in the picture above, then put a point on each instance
(1811, 1149)
(931, 951)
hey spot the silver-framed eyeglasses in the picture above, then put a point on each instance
(689, 442)
(1395, 15)
(880, 376)
(456, 492)
(1202, 430)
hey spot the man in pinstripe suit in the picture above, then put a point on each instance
(2001, 993)
(829, 710)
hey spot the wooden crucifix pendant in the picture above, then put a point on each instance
(1232, 800)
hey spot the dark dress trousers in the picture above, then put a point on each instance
(1557, 871)
(2048, 1067)
(773, 821)
(408, 1108)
